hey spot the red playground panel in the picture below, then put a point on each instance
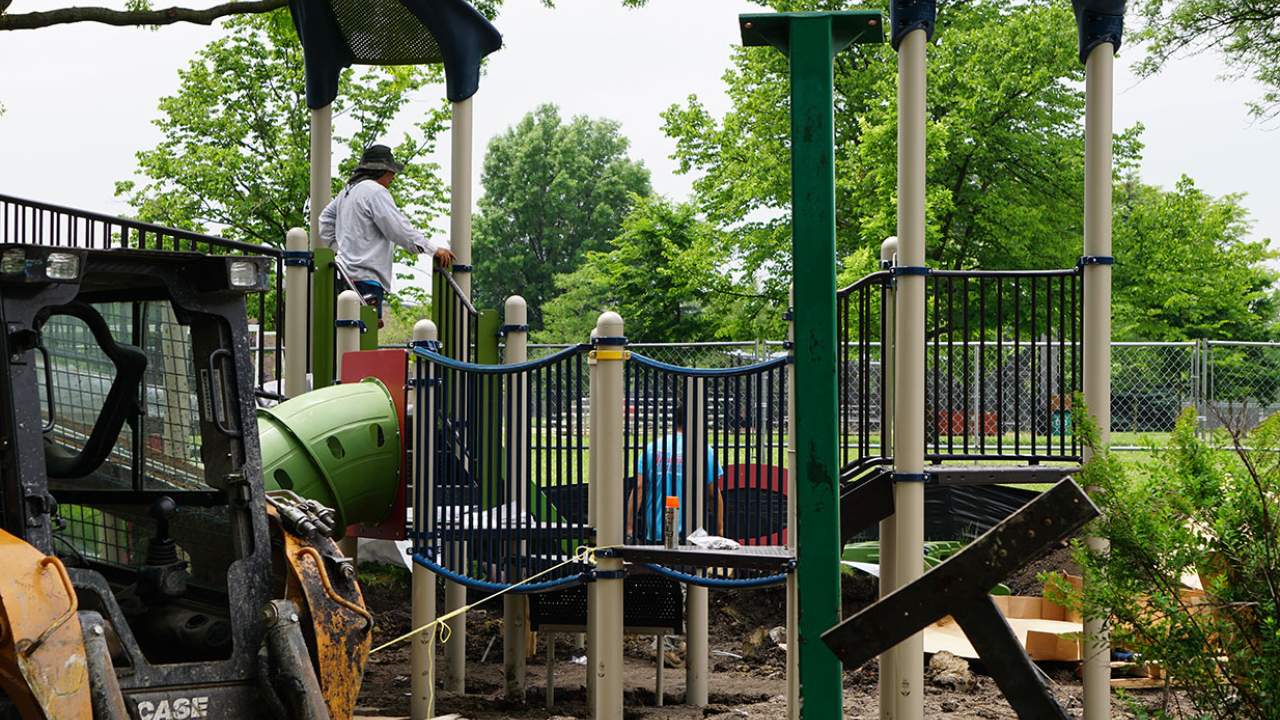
(755, 504)
(392, 368)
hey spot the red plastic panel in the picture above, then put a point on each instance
(392, 368)
(762, 478)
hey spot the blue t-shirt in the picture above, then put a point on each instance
(662, 468)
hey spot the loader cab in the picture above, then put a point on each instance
(128, 448)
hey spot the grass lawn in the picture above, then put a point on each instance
(556, 454)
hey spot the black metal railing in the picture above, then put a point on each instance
(1003, 359)
(502, 453)
(863, 334)
(38, 223)
(717, 439)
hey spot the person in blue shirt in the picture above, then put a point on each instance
(660, 473)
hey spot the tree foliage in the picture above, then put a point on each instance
(651, 274)
(1004, 159)
(1207, 509)
(1246, 32)
(553, 191)
(234, 152)
(1185, 268)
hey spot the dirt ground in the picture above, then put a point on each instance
(747, 666)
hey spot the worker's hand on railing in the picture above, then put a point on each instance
(444, 258)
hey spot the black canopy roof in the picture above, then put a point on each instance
(336, 34)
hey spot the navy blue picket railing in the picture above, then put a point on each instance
(502, 460)
(720, 434)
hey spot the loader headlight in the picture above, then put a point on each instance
(37, 264)
(246, 276)
(13, 262)
(62, 266)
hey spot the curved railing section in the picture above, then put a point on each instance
(501, 455)
(716, 439)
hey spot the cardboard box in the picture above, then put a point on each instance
(1039, 624)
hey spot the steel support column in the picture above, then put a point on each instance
(1099, 93)
(909, 349)
(810, 41)
(609, 403)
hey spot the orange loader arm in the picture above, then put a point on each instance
(42, 655)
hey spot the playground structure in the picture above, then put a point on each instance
(508, 469)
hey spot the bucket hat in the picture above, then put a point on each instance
(379, 157)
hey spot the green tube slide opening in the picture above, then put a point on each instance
(339, 446)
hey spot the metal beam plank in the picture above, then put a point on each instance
(965, 578)
(1006, 660)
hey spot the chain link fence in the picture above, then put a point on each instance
(1231, 385)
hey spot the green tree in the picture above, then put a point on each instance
(652, 274)
(1205, 509)
(1246, 32)
(553, 191)
(234, 153)
(1185, 268)
(1005, 147)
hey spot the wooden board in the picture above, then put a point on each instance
(1137, 683)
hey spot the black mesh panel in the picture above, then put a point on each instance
(384, 32)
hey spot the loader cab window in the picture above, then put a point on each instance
(126, 405)
(141, 433)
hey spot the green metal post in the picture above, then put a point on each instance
(323, 369)
(810, 41)
(487, 354)
(438, 289)
(369, 338)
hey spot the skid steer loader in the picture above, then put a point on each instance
(145, 571)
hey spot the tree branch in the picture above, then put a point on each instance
(126, 18)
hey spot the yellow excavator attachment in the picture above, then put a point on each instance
(42, 656)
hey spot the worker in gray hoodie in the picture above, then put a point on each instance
(364, 227)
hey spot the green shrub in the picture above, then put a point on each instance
(1199, 507)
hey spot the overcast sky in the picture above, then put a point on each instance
(81, 98)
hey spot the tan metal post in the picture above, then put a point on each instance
(460, 242)
(592, 474)
(321, 168)
(515, 608)
(348, 340)
(888, 526)
(908, 437)
(697, 650)
(607, 486)
(422, 651)
(793, 601)
(460, 192)
(660, 680)
(296, 280)
(1099, 104)
(455, 651)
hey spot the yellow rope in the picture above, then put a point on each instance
(583, 555)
